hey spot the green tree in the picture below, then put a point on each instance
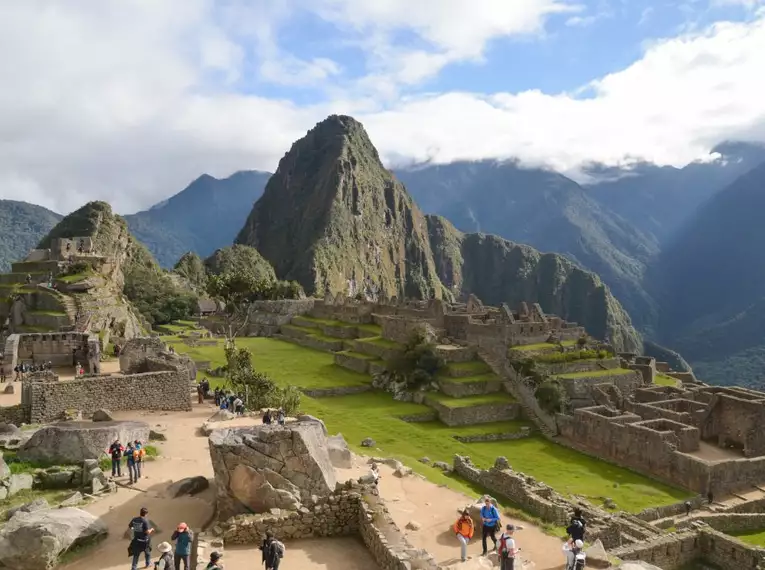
(235, 290)
(419, 362)
(258, 390)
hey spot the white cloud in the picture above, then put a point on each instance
(130, 101)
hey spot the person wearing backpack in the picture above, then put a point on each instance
(491, 523)
(214, 563)
(141, 531)
(273, 552)
(464, 530)
(575, 555)
(115, 451)
(577, 526)
(130, 456)
(507, 549)
(165, 561)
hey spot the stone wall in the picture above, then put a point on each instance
(400, 329)
(580, 388)
(267, 317)
(43, 347)
(166, 391)
(727, 522)
(150, 354)
(15, 415)
(478, 414)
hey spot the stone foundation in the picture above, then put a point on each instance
(479, 414)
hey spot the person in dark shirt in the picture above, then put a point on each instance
(141, 542)
(578, 526)
(115, 450)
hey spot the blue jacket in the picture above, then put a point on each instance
(183, 542)
(490, 513)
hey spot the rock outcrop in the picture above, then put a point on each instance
(34, 540)
(339, 453)
(265, 467)
(73, 442)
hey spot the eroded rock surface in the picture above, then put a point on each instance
(263, 467)
(73, 442)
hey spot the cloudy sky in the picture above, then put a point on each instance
(129, 100)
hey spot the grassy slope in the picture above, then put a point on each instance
(376, 415)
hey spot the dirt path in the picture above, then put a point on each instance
(186, 454)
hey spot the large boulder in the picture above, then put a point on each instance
(102, 415)
(73, 442)
(34, 540)
(9, 430)
(188, 486)
(37, 505)
(269, 466)
(339, 453)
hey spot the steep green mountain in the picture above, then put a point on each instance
(545, 210)
(710, 281)
(22, 225)
(498, 271)
(130, 270)
(239, 257)
(201, 218)
(658, 200)
(335, 220)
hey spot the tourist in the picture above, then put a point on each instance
(710, 497)
(183, 537)
(141, 530)
(507, 549)
(200, 393)
(267, 417)
(688, 508)
(577, 526)
(490, 519)
(575, 556)
(2, 374)
(280, 417)
(139, 455)
(130, 457)
(375, 472)
(17, 370)
(115, 450)
(214, 563)
(273, 552)
(238, 406)
(165, 561)
(464, 529)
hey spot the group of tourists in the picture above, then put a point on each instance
(133, 453)
(505, 546)
(24, 368)
(170, 557)
(272, 416)
(227, 400)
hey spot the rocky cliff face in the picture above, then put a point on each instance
(335, 220)
(497, 271)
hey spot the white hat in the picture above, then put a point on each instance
(579, 544)
(164, 547)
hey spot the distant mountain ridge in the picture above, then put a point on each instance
(334, 219)
(203, 217)
(22, 225)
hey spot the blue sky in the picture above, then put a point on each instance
(130, 101)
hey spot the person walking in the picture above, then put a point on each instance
(464, 530)
(115, 450)
(165, 561)
(490, 520)
(507, 549)
(141, 531)
(273, 552)
(575, 556)
(139, 454)
(578, 526)
(183, 537)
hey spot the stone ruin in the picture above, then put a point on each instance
(282, 479)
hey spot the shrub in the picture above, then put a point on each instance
(551, 396)
(257, 390)
(419, 362)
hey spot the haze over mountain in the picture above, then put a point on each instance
(543, 209)
(334, 219)
(710, 281)
(203, 217)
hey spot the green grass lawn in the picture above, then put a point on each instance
(469, 401)
(286, 363)
(49, 313)
(594, 374)
(380, 341)
(359, 355)
(753, 537)
(377, 415)
(542, 345)
(468, 379)
(75, 278)
(664, 380)
(369, 327)
(473, 366)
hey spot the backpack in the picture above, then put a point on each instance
(575, 529)
(279, 548)
(579, 562)
(498, 526)
(168, 558)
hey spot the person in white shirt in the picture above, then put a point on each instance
(507, 549)
(375, 473)
(575, 556)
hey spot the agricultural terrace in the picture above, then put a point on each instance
(377, 415)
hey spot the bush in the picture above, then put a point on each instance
(258, 390)
(156, 297)
(551, 396)
(419, 363)
(78, 268)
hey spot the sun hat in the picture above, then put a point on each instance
(182, 527)
(164, 547)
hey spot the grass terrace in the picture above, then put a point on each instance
(753, 537)
(470, 401)
(378, 416)
(369, 327)
(594, 374)
(542, 346)
(472, 367)
(76, 278)
(489, 377)
(380, 341)
(664, 380)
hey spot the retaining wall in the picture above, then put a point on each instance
(166, 391)
(479, 414)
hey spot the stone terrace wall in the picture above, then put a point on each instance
(667, 552)
(166, 391)
(470, 415)
(400, 329)
(266, 317)
(15, 415)
(539, 500)
(729, 553)
(346, 512)
(580, 388)
(727, 522)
